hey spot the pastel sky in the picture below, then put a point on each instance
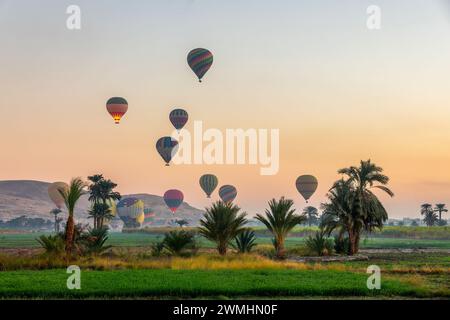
(337, 91)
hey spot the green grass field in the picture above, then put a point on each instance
(197, 283)
(28, 240)
(145, 239)
(131, 272)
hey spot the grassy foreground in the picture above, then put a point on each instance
(197, 283)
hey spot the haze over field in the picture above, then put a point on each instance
(30, 198)
(337, 91)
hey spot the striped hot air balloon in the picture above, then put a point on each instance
(208, 183)
(178, 117)
(117, 107)
(167, 147)
(227, 193)
(173, 199)
(200, 60)
(131, 211)
(306, 186)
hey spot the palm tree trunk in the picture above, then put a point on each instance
(352, 239)
(280, 251)
(222, 248)
(70, 229)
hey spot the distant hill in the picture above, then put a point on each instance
(30, 198)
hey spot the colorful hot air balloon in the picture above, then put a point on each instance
(200, 60)
(167, 147)
(227, 193)
(173, 199)
(131, 211)
(55, 195)
(208, 183)
(149, 215)
(306, 186)
(178, 117)
(117, 107)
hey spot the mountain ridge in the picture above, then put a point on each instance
(30, 198)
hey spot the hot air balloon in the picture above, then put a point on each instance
(117, 107)
(167, 147)
(178, 117)
(306, 186)
(208, 182)
(173, 199)
(200, 60)
(55, 195)
(227, 193)
(149, 215)
(131, 211)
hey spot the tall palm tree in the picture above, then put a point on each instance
(100, 212)
(362, 180)
(312, 214)
(221, 223)
(101, 190)
(55, 212)
(440, 208)
(71, 197)
(429, 215)
(280, 219)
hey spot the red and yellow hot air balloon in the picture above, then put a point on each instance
(117, 107)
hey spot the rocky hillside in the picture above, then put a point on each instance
(30, 198)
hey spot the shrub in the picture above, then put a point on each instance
(53, 244)
(245, 241)
(341, 245)
(94, 241)
(157, 248)
(177, 242)
(320, 244)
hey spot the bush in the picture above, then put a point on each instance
(320, 244)
(157, 248)
(53, 245)
(245, 241)
(178, 242)
(341, 245)
(94, 241)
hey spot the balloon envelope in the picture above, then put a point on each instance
(131, 211)
(55, 195)
(117, 107)
(208, 182)
(167, 147)
(306, 186)
(227, 193)
(200, 60)
(178, 118)
(173, 199)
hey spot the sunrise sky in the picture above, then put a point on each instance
(337, 91)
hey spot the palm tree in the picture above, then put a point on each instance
(280, 219)
(429, 215)
(55, 212)
(440, 207)
(312, 215)
(101, 191)
(100, 212)
(362, 180)
(221, 223)
(71, 197)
